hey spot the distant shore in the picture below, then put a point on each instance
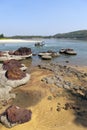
(19, 40)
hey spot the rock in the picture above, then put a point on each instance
(10, 64)
(15, 74)
(76, 87)
(59, 85)
(4, 121)
(14, 115)
(66, 86)
(68, 51)
(13, 83)
(23, 51)
(62, 51)
(5, 93)
(71, 106)
(44, 54)
(68, 106)
(48, 80)
(67, 61)
(49, 98)
(58, 109)
(45, 57)
(49, 53)
(55, 54)
(6, 86)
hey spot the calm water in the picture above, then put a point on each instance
(55, 44)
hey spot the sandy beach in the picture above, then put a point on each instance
(19, 40)
(44, 100)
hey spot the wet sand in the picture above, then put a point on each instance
(43, 100)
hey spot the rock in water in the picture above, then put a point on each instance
(23, 51)
(14, 115)
(15, 74)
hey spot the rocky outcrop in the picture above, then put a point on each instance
(23, 51)
(5, 93)
(48, 55)
(15, 74)
(67, 51)
(14, 115)
(4, 81)
(6, 86)
(60, 74)
(10, 64)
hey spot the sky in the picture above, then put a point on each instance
(42, 17)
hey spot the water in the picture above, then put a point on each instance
(55, 44)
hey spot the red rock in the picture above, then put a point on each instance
(23, 51)
(10, 64)
(15, 74)
(19, 115)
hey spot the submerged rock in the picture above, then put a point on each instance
(45, 57)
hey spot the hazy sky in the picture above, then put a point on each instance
(42, 17)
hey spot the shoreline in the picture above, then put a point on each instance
(18, 40)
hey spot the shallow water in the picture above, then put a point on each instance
(55, 44)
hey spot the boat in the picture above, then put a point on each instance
(38, 44)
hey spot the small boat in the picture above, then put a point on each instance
(38, 44)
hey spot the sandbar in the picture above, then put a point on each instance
(19, 40)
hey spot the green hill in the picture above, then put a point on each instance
(81, 34)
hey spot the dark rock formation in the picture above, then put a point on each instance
(10, 64)
(58, 77)
(15, 74)
(23, 51)
(14, 115)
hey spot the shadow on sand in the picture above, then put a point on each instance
(80, 101)
(27, 98)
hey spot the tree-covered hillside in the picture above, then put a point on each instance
(81, 34)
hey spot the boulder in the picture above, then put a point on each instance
(15, 74)
(10, 64)
(46, 57)
(23, 51)
(68, 51)
(14, 115)
(4, 81)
